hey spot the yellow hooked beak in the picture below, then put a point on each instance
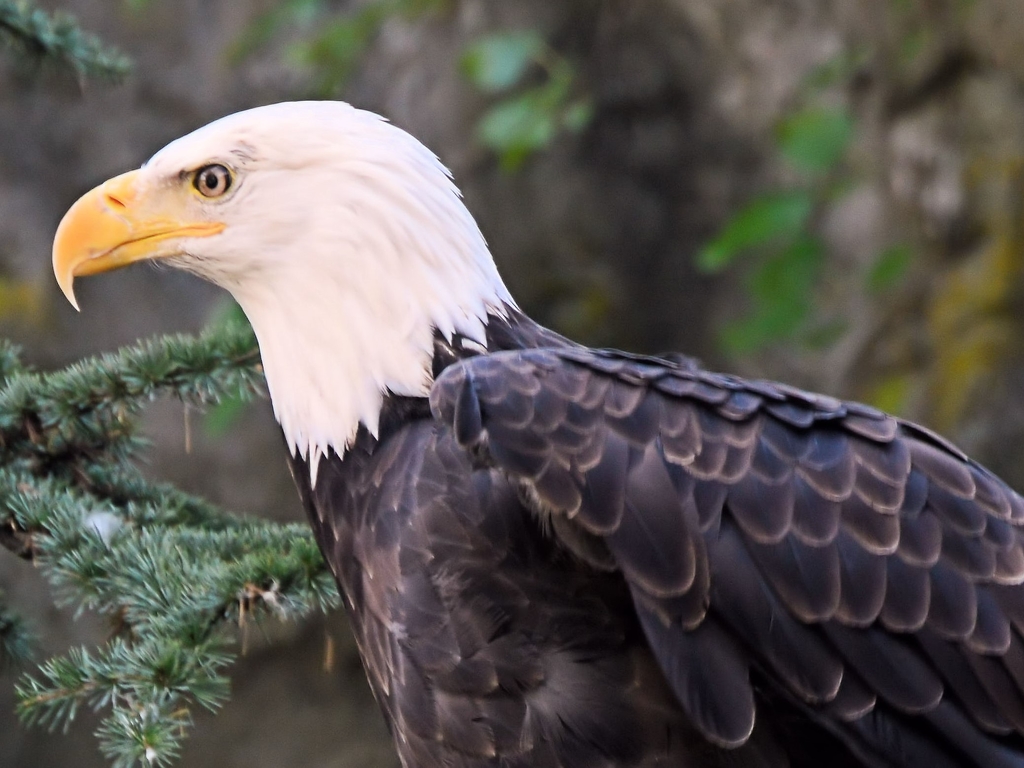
(116, 224)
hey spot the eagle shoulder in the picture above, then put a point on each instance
(857, 563)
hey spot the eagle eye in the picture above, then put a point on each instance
(212, 180)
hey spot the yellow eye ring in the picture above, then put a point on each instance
(212, 180)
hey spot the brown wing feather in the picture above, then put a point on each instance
(482, 645)
(801, 538)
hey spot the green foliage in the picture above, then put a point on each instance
(224, 415)
(35, 35)
(889, 268)
(153, 733)
(764, 220)
(333, 51)
(815, 139)
(10, 364)
(175, 575)
(84, 411)
(528, 117)
(300, 14)
(329, 45)
(774, 238)
(781, 288)
(498, 62)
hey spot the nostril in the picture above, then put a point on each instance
(115, 202)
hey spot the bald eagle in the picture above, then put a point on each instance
(560, 556)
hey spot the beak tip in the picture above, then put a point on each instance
(67, 287)
(64, 265)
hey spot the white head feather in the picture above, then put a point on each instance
(346, 244)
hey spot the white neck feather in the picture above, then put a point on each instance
(349, 311)
(330, 355)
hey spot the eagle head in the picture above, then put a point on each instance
(342, 238)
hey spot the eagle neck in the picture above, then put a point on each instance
(505, 330)
(329, 369)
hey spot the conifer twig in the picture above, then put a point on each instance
(56, 38)
(176, 575)
(85, 410)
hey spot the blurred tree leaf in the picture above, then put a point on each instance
(823, 335)
(889, 268)
(498, 62)
(224, 415)
(524, 122)
(778, 227)
(815, 139)
(788, 277)
(781, 289)
(331, 47)
(520, 125)
(333, 52)
(517, 127)
(914, 44)
(767, 218)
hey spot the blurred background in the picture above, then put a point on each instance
(824, 192)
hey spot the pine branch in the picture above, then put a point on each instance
(75, 429)
(56, 38)
(10, 364)
(83, 412)
(156, 502)
(177, 595)
(176, 575)
(154, 732)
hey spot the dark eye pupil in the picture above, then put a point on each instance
(212, 181)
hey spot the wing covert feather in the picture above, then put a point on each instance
(834, 551)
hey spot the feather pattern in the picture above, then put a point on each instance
(839, 542)
(486, 645)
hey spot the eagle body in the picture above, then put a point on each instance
(485, 641)
(558, 556)
(495, 632)
(482, 643)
